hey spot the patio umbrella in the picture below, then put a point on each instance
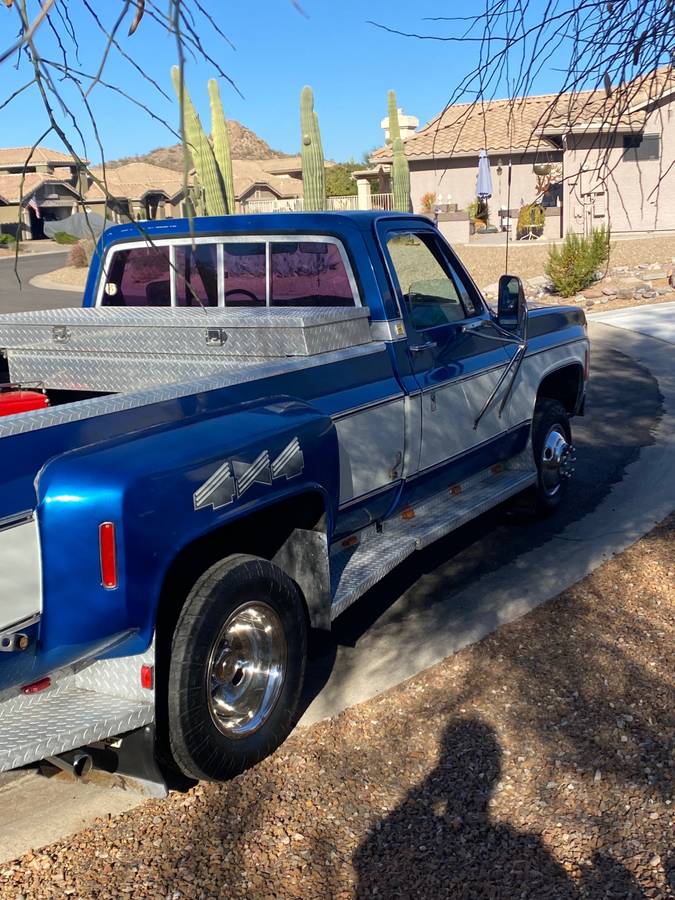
(484, 180)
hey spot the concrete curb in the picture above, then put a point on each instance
(45, 282)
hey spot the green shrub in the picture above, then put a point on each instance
(600, 246)
(62, 237)
(530, 220)
(7, 238)
(574, 265)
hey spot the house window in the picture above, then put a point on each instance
(639, 147)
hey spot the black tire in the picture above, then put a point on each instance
(549, 416)
(204, 745)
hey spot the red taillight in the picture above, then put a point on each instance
(148, 677)
(37, 686)
(106, 539)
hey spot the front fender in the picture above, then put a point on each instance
(163, 490)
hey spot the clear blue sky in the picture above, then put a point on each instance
(349, 63)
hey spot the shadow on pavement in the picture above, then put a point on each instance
(443, 841)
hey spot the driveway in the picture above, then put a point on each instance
(20, 297)
(486, 574)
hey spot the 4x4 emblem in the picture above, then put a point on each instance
(234, 478)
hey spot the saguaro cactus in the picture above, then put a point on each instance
(400, 174)
(202, 153)
(392, 108)
(311, 152)
(221, 143)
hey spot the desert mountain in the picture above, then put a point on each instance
(244, 144)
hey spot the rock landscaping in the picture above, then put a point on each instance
(619, 287)
(537, 763)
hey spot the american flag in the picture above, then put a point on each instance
(34, 206)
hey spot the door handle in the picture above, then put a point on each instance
(427, 345)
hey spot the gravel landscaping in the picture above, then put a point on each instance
(528, 259)
(537, 763)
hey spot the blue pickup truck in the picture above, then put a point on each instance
(250, 421)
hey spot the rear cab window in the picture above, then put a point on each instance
(307, 271)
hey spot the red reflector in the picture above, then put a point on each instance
(106, 539)
(148, 677)
(37, 686)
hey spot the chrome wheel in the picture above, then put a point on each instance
(557, 460)
(246, 669)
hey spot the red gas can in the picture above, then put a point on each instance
(17, 401)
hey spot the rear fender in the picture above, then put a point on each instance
(164, 491)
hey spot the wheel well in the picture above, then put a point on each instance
(564, 385)
(261, 534)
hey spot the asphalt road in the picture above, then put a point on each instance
(21, 296)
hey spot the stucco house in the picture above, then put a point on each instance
(46, 188)
(610, 155)
(141, 191)
(53, 187)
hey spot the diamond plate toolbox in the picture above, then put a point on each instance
(75, 348)
(209, 333)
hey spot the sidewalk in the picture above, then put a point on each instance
(653, 321)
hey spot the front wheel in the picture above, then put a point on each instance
(237, 668)
(553, 453)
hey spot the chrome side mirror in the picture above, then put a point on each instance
(511, 303)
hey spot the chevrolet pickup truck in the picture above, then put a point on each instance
(250, 421)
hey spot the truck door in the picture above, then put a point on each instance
(456, 352)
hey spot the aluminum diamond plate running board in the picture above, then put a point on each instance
(357, 567)
(102, 701)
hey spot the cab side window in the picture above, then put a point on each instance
(432, 290)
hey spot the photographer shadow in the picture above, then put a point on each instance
(442, 841)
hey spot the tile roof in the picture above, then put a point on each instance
(525, 122)
(17, 156)
(278, 165)
(249, 172)
(10, 185)
(133, 181)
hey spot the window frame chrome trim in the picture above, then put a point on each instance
(220, 273)
(266, 239)
(173, 286)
